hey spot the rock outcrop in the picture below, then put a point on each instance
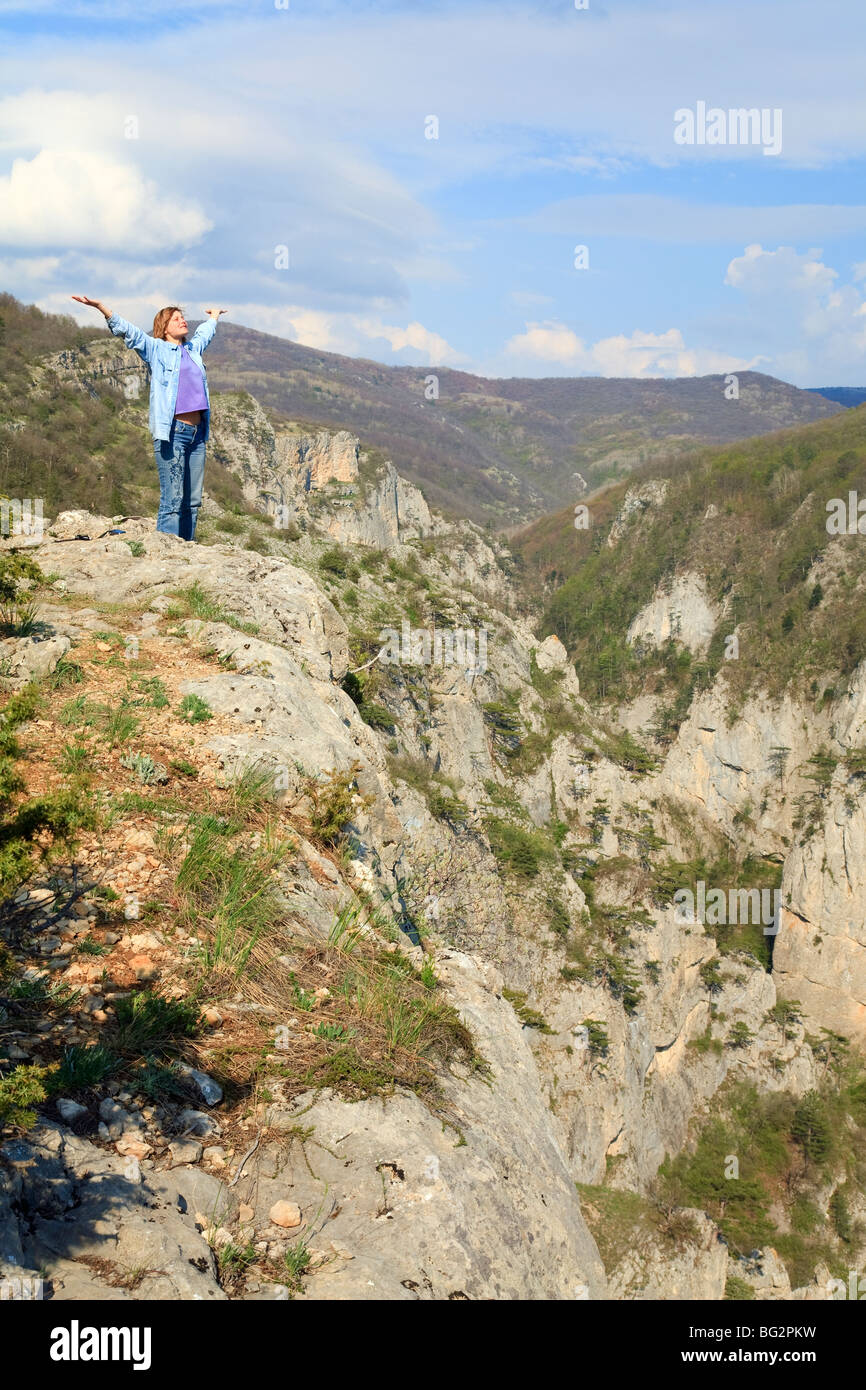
(681, 611)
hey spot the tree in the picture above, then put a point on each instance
(810, 1128)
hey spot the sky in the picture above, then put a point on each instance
(510, 189)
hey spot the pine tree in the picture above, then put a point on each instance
(810, 1128)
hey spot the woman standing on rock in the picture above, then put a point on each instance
(179, 416)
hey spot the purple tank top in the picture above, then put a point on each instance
(190, 388)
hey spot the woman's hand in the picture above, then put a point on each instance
(92, 304)
(215, 313)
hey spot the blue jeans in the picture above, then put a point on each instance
(180, 460)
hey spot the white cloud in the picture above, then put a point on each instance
(422, 341)
(280, 143)
(812, 326)
(548, 342)
(639, 355)
(351, 334)
(15, 268)
(63, 199)
(454, 62)
(763, 272)
(804, 325)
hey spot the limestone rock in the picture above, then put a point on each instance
(680, 610)
(120, 1223)
(285, 1214)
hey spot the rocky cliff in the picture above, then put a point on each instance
(490, 813)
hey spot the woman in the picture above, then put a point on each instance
(179, 408)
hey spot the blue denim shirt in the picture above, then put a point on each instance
(163, 359)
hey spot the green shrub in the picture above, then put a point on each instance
(711, 977)
(22, 1089)
(334, 803)
(183, 768)
(530, 1018)
(17, 612)
(75, 758)
(517, 850)
(153, 693)
(333, 561)
(738, 1289)
(148, 1022)
(194, 710)
(623, 748)
(446, 805)
(66, 672)
(840, 1215)
(158, 1082)
(559, 920)
(81, 1068)
(377, 716)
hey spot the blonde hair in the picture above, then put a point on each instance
(161, 322)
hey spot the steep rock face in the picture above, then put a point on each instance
(297, 720)
(289, 475)
(682, 611)
(394, 511)
(758, 768)
(277, 469)
(746, 766)
(481, 1208)
(637, 500)
(552, 656)
(108, 362)
(634, 1104)
(484, 1207)
(242, 438)
(317, 459)
(656, 1269)
(820, 952)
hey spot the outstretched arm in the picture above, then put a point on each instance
(140, 342)
(205, 331)
(92, 303)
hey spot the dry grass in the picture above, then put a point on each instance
(352, 1014)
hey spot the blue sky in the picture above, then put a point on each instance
(163, 152)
